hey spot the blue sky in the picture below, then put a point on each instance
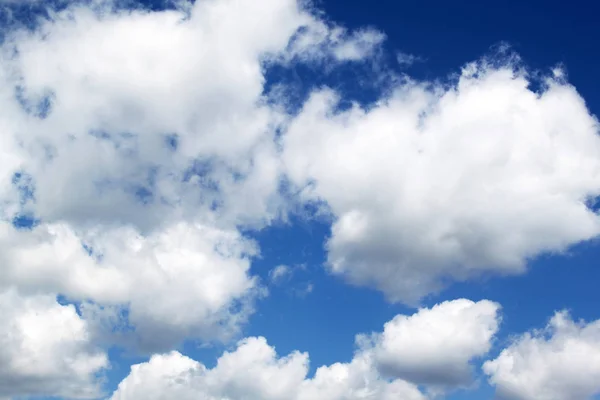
(205, 175)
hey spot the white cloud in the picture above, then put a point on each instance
(254, 372)
(434, 347)
(45, 349)
(319, 42)
(356, 380)
(434, 184)
(186, 281)
(120, 83)
(134, 78)
(145, 143)
(559, 362)
(358, 46)
(251, 371)
(147, 138)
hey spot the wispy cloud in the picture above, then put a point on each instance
(407, 59)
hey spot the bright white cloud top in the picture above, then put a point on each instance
(436, 183)
(146, 144)
(560, 362)
(435, 346)
(164, 109)
(254, 371)
(46, 348)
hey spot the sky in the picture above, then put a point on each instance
(298, 200)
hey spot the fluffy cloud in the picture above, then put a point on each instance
(186, 281)
(437, 183)
(251, 371)
(140, 144)
(140, 148)
(254, 372)
(433, 347)
(559, 362)
(45, 349)
(149, 108)
(162, 109)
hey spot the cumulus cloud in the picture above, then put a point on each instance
(432, 347)
(148, 108)
(45, 349)
(138, 152)
(436, 183)
(161, 109)
(251, 371)
(560, 362)
(254, 372)
(138, 147)
(185, 281)
(435, 346)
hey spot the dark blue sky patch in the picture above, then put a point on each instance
(144, 195)
(199, 167)
(62, 300)
(123, 324)
(172, 141)
(25, 221)
(304, 212)
(593, 204)
(449, 34)
(25, 185)
(88, 249)
(96, 255)
(20, 15)
(201, 171)
(356, 82)
(39, 106)
(29, 14)
(148, 5)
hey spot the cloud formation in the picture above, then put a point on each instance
(430, 347)
(185, 281)
(559, 362)
(138, 149)
(435, 346)
(46, 349)
(438, 183)
(135, 155)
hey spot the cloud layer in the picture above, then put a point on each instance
(139, 151)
